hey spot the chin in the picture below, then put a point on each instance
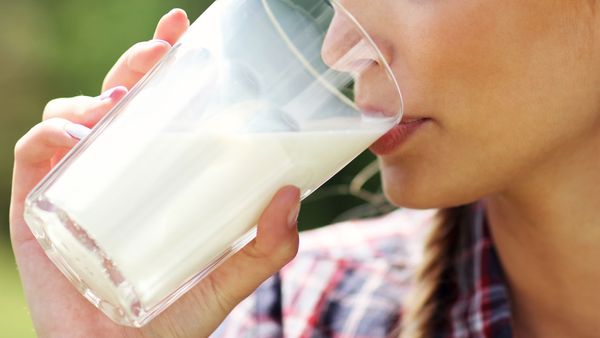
(404, 192)
(401, 197)
(421, 191)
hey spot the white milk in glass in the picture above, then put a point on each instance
(171, 185)
(177, 175)
(222, 179)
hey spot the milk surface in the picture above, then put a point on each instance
(164, 203)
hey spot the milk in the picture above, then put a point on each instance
(161, 205)
(175, 178)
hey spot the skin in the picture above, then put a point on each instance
(512, 90)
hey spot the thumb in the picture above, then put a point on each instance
(275, 245)
(216, 295)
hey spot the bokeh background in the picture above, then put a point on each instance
(62, 48)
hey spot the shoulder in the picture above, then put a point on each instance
(348, 280)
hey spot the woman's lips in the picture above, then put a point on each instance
(398, 135)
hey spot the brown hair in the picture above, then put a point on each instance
(427, 304)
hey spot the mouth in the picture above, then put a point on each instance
(398, 135)
(411, 119)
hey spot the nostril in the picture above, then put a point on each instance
(387, 53)
(358, 66)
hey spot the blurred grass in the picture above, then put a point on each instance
(14, 318)
(63, 48)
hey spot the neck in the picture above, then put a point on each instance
(547, 234)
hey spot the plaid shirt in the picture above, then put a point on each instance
(349, 280)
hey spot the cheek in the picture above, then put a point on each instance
(453, 58)
(491, 76)
(445, 51)
(441, 61)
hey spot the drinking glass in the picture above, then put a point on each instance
(257, 94)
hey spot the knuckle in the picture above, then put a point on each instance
(81, 105)
(276, 258)
(133, 55)
(19, 147)
(51, 107)
(107, 82)
(67, 108)
(136, 46)
(111, 78)
(288, 252)
(135, 50)
(23, 142)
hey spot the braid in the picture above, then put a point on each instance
(429, 299)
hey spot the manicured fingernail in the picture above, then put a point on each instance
(293, 215)
(113, 93)
(160, 41)
(77, 131)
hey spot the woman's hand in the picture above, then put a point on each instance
(57, 309)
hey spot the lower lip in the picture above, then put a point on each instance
(397, 136)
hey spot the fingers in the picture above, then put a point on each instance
(135, 63)
(33, 154)
(84, 110)
(41, 142)
(172, 26)
(275, 245)
(142, 56)
(65, 122)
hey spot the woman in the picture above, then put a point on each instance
(506, 98)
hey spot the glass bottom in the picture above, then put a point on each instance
(91, 270)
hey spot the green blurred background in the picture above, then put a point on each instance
(62, 48)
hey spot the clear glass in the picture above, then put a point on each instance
(172, 181)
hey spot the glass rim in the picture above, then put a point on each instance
(363, 32)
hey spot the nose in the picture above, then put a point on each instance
(348, 49)
(345, 48)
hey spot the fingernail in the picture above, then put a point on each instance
(160, 41)
(293, 216)
(77, 131)
(113, 93)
